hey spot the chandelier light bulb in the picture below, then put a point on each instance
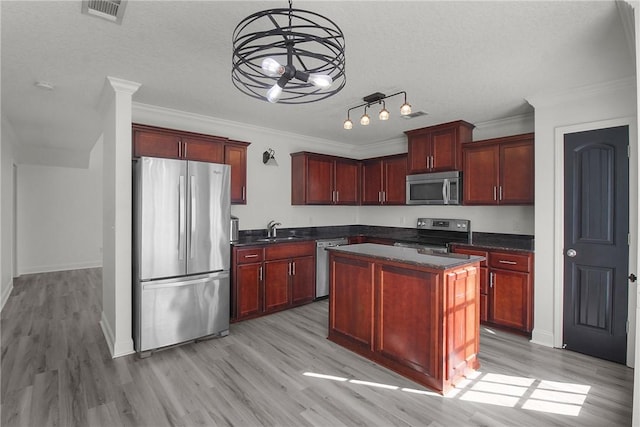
(272, 68)
(348, 124)
(364, 120)
(405, 109)
(321, 81)
(384, 114)
(273, 94)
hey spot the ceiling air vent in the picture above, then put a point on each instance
(111, 10)
(412, 115)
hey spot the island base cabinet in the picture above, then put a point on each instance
(351, 307)
(419, 322)
(407, 319)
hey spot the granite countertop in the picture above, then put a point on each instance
(419, 257)
(518, 242)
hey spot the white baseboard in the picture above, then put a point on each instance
(117, 349)
(61, 267)
(6, 292)
(544, 338)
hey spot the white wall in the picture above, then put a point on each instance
(6, 211)
(614, 101)
(59, 216)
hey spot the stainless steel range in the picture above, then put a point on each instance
(436, 233)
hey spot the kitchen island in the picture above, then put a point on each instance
(413, 311)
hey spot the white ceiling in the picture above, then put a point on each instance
(476, 61)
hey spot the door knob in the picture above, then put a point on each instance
(571, 253)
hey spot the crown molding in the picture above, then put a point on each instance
(506, 121)
(572, 95)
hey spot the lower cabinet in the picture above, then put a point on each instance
(506, 287)
(271, 278)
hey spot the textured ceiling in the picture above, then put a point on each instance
(476, 61)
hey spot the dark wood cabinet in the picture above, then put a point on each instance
(511, 290)
(235, 155)
(506, 288)
(437, 148)
(417, 321)
(160, 142)
(154, 141)
(383, 180)
(318, 179)
(499, 171)
(247, 292)
(272, 277)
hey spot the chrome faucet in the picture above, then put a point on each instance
(271, 228)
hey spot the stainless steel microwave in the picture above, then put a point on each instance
(439, 188)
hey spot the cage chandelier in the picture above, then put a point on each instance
(290, 56)
(377, 98)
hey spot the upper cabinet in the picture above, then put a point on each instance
(235, 155)
(159, 142)
(499, 171)
(384, 180)
(175, 144)
(318, 179)
(437, 148)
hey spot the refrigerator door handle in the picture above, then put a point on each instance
(181, 218)
(180, 282)
(192, 189)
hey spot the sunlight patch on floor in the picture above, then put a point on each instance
(500, 390)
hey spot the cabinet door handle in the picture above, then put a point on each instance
(384, 196)
(501, 192)
(379, 196)
(289, 269)
(260, 270)
(244, 193)
(502, 261)
(491, 280)
(184, 149)
(495, 191)
(337, 196)
(433, 162)
(251, 256)
(293, 268)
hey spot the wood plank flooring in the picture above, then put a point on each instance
(56, 371)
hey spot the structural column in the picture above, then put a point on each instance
(117, 311)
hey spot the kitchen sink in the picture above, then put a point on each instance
(278, 239)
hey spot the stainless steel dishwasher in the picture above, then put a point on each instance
(322, 264)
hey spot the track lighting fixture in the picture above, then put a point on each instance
(377, 98)
(290, 56)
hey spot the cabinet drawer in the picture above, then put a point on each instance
(247, 255)
(289, 250)
(476, 252)
(510, 261)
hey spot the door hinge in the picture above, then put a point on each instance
(632, 277)
(628, 239)
(626, 327)
(564, 346)
(628, 151)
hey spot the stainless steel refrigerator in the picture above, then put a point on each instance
(181, 251)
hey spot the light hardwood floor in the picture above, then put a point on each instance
(56, 370)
